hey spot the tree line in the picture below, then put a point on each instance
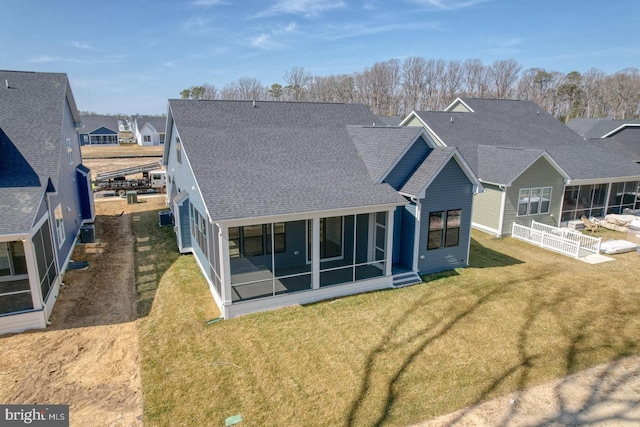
(395, 88)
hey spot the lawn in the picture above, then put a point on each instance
(519, 316)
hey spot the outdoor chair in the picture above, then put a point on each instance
(589, 225)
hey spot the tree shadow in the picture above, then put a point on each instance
(543, 305)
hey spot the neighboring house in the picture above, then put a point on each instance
(149, 130)
(124, 125)
(389, 120)
(99, 130)
(287, 203)
(45, 194)
(531, 166)
(624, 133)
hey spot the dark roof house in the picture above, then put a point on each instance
(45, 194)
(99, 130)
(296, 202)
(521, 153)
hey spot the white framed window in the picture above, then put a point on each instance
(146, 138)
(59, 221)
(534, 201)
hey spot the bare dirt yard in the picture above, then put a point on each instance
(88, 357)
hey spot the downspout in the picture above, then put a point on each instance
(416, 238)
(503, 203)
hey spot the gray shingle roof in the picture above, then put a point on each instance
(276, 158)
(92, 122)
(158, 122)
(31, 118)
(380, 147)
(597, 128)
(524, 124)
(501, 165)
(427, 171)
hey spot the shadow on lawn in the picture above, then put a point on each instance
(579, 333)
(482, 257)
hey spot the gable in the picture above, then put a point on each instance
(408, 164)
(103, 131)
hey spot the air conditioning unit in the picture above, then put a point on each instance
(165, 218)
(88, 233)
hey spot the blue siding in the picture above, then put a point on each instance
(408, 235)
(450, 190)
(408, 164)
(103, 131)
(67, 188)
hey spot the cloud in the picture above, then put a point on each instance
(449, 4)
(196, 25)
(45, 58)
(113, 59)
(306, 8)
(82, 45)
(266, 40)
(505, 45)
(359, 30)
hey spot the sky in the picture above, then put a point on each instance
(128, 57)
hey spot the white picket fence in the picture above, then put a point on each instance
(564, 241)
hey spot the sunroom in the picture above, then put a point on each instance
(272, 264)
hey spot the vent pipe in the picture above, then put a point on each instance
(6, 83)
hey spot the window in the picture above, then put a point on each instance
(330, 237)
(534, 201)
(59, 221)
(444, 229)
(70, 151)
(178, 150)
(146, 138)
(199, 229)
(255, 240)
(161, 135)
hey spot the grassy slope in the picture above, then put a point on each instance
(518, 317)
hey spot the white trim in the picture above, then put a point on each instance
(602, 180)
(503, 207)
(485, 229)
(388, 251)
(466, 169)
(415, 115)
(315, 253)
(619, 128)
(549, 159)
(310, 214)
(416, 235)
(459, 100)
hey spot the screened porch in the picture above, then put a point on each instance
(268, 260)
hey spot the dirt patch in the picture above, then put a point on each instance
(606, 395)
(88, 357)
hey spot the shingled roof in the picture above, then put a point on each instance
(276, 158)
(31, 120)
(158, 122)
(381, 147)
(525, 125)
(92, 122)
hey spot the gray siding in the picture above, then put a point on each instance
(182, 179)
(67, 188)
(540, 174)
(450, 190)
(487, 207)
(408, 164)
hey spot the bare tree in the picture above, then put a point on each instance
(377, 87)
(413, 83)
(592, 86)
(475, 78)
(250, 89)
(504, 74)
(433, 76)
(297, 79)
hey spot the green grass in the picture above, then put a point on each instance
(519, 316)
